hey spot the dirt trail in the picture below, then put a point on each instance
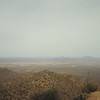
(94, 96)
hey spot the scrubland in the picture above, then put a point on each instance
(44, 85)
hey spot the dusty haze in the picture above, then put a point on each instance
(42, 28)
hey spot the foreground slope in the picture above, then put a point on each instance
(34, 86)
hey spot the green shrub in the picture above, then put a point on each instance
(48, 95)
(90, 87)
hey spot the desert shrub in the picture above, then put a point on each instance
(90, 87)
(51, 94)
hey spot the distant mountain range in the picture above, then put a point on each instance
(83, 60)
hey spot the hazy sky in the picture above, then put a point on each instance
(42, 28)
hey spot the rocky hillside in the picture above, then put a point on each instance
(42, 85)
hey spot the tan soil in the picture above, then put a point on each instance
(94, 96)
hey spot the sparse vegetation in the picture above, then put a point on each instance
(87, 89)
(50, 94)
(44, 85)
(90, 87)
